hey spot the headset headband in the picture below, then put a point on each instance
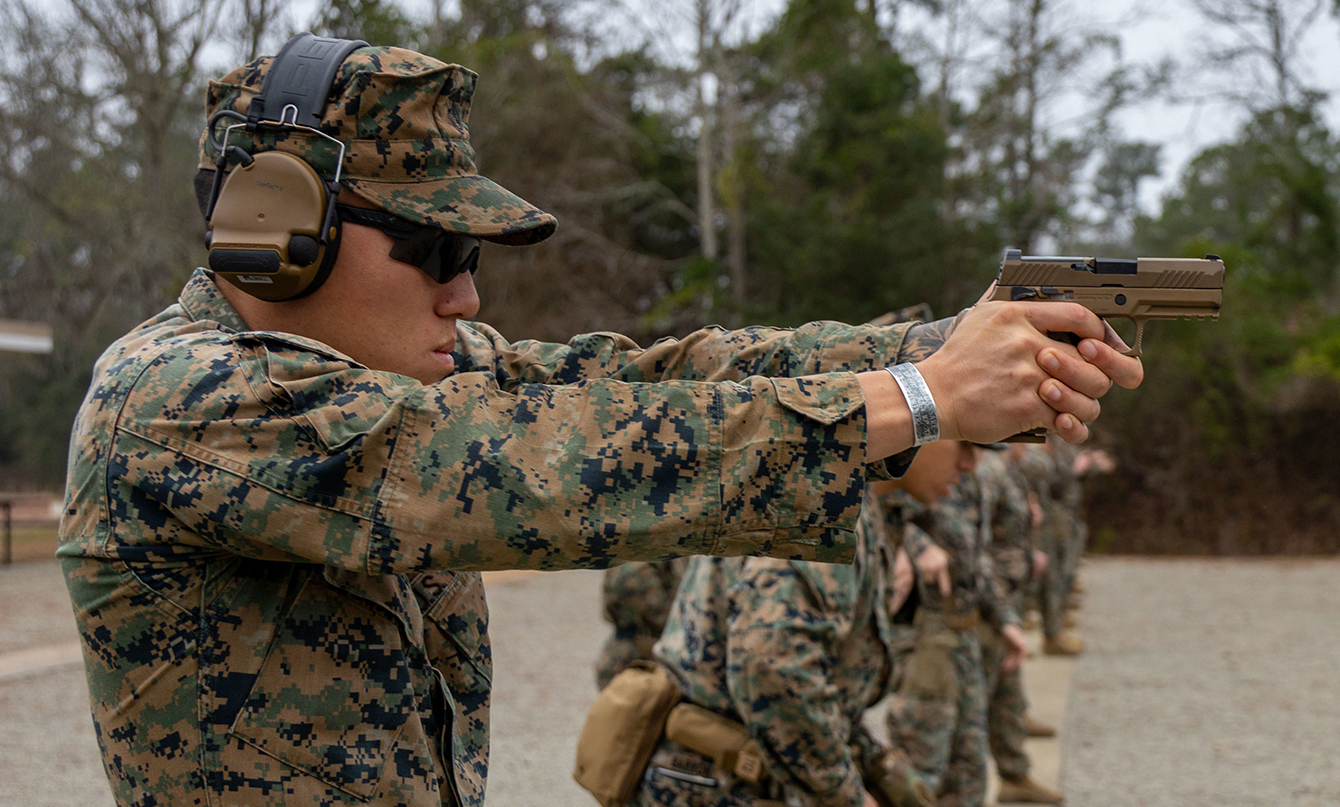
(299, 80)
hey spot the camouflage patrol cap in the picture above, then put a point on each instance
(404, 121)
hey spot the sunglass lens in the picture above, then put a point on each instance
(418, 248)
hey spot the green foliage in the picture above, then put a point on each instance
(1253, 395)
(1320, 357)
(374, 21)
(846, 222)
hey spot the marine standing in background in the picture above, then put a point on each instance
(1072, 531)
(938, 715)
(1039, 467)
(794, 653)
(1007, 523)
(637, 599)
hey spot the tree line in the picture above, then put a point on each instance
(834, 160)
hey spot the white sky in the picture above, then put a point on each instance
(1172, 28)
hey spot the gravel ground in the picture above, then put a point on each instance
(34, 607)
(48, 755)
(546, 631)
(1206, 683)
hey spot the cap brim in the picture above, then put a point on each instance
(470, 204)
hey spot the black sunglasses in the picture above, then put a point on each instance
(442, 255)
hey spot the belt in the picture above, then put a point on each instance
(961, 622)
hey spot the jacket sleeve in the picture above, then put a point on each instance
(995, 597)
(1011, 524)
(265, 446)
(781, 649)
(709, 354)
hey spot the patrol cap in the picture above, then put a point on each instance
(404, 121)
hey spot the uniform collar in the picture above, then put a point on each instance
(203, 301)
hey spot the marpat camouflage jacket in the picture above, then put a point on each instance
(1006, 517)
(271, 549)
(795, 651)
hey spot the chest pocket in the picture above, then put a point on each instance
(336, 690)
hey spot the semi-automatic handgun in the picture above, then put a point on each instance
(1138, 289)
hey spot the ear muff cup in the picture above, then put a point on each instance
(265, 232)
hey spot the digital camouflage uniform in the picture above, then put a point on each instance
(1072, 533)
(796, 652)
(938, 716)
(1038, 468)
(1006, 516)
(272, 551)
(637, 599)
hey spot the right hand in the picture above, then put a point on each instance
(869, 800)
(999, 374)
(903, 579)
(933, 564)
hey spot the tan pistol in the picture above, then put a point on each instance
(1138, 289)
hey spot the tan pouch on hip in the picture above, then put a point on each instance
(622, 730)
(727, 742)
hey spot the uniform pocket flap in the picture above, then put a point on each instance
(823, 398)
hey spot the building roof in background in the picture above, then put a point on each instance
(24, 337)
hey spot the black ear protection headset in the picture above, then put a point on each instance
(273, 228)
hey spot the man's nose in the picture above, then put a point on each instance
(458, 298)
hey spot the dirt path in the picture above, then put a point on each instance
(1206, 683)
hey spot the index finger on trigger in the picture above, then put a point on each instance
(1113, 339)
(1065, 318)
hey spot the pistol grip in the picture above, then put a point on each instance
(1030, 436)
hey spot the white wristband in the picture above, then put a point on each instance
(925, 419)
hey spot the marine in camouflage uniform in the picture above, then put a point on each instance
(938, 716)
(1038, 468)
(637, 599)
(1007, 518)
(794, 651)
(1050, 472)
(1068, 495)
(272, 550)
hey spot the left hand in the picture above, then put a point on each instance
(1000, 373)
(1018, 647)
